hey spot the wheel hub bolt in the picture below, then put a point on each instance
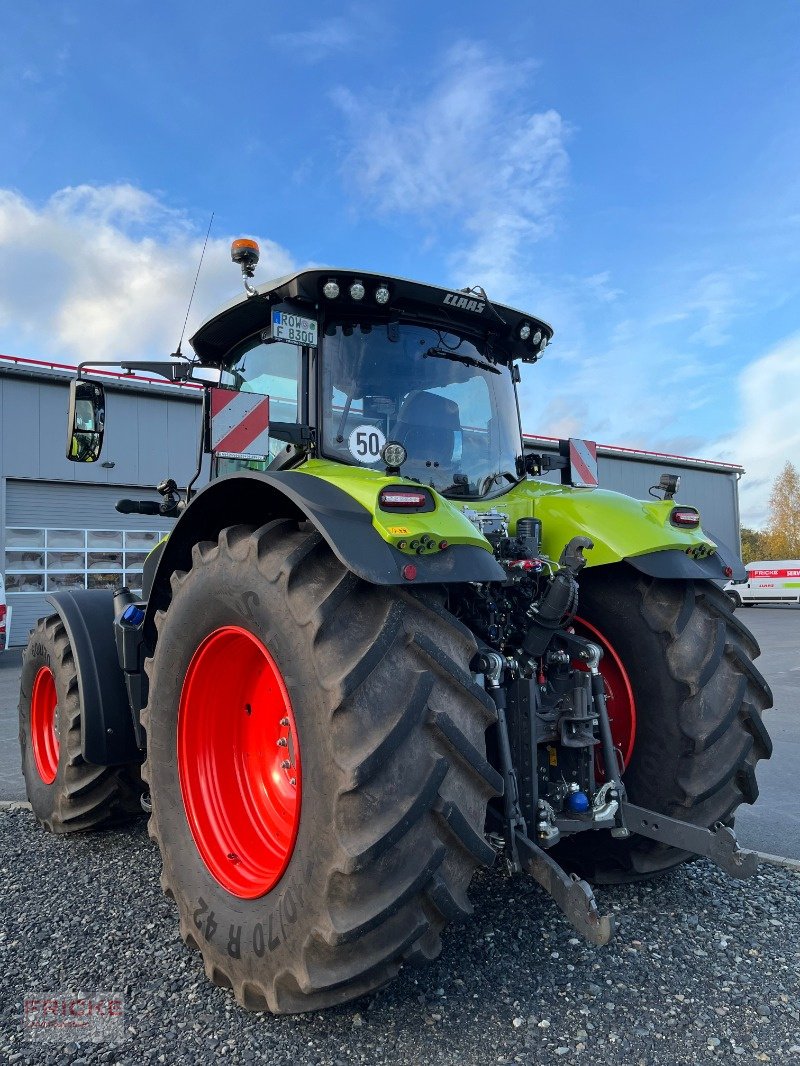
(285, 764)
(284, 721)
(282, 742)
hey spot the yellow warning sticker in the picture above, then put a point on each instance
(553, 756)
(398, 531)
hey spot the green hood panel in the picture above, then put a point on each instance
(620, 526)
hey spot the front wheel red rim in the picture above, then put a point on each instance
(239, 762)
(619, 694)
(44, 737)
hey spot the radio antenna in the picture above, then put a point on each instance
(178, 354)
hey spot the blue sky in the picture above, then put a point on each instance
(630, 172)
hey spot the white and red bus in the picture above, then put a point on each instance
(770, 581)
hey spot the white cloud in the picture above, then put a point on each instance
(101, 272)
(716, 300)
(329, 36)
(769, 425)
(471, 151)
(600, 286)
(623, 370)
(470, 154)
(652, 367)
(635, 391)
(320, 40)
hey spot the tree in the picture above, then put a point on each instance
(783, 526)
(754, 545)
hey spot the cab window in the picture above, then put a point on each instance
(272, 370)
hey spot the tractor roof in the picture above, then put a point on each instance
(408, 300)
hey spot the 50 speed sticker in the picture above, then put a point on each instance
(365, 443)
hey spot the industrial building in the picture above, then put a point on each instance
(58, 525)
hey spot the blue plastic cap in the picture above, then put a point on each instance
(132, 614)
(577, 802)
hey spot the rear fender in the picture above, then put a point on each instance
(107, 733)
(346, 525)
(680, 566)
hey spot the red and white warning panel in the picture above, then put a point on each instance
(239, 424)
(583, 463)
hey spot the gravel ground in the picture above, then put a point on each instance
(702, 968)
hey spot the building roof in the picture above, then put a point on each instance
(189, 390)
(532, 441)
(42, 368)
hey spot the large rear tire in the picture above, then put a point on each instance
(699, 700)
(381, 777)
(67, 793)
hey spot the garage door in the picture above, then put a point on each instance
(61, 535)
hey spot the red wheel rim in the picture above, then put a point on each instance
(44, 737)
(619, 694)
(239, 762)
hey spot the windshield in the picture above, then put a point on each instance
(438, 394)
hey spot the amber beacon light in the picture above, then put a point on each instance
(245, 252)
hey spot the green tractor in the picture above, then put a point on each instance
(378, 651)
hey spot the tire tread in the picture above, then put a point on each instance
(720, 736)
(413, 778)
(83, 796)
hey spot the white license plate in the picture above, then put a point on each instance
(294, 328)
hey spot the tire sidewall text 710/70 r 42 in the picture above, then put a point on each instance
(394, 780)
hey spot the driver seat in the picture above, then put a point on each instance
(426, 426)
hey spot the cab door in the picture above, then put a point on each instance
(272, 371)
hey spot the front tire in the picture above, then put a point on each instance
(699, 700)
(67, 793)
(385, 740)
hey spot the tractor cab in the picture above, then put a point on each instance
(373, 372)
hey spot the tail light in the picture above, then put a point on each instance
(685, 517)
(400, 498)
(2, 626)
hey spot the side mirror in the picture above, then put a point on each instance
(86, 422)
(206, 375)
